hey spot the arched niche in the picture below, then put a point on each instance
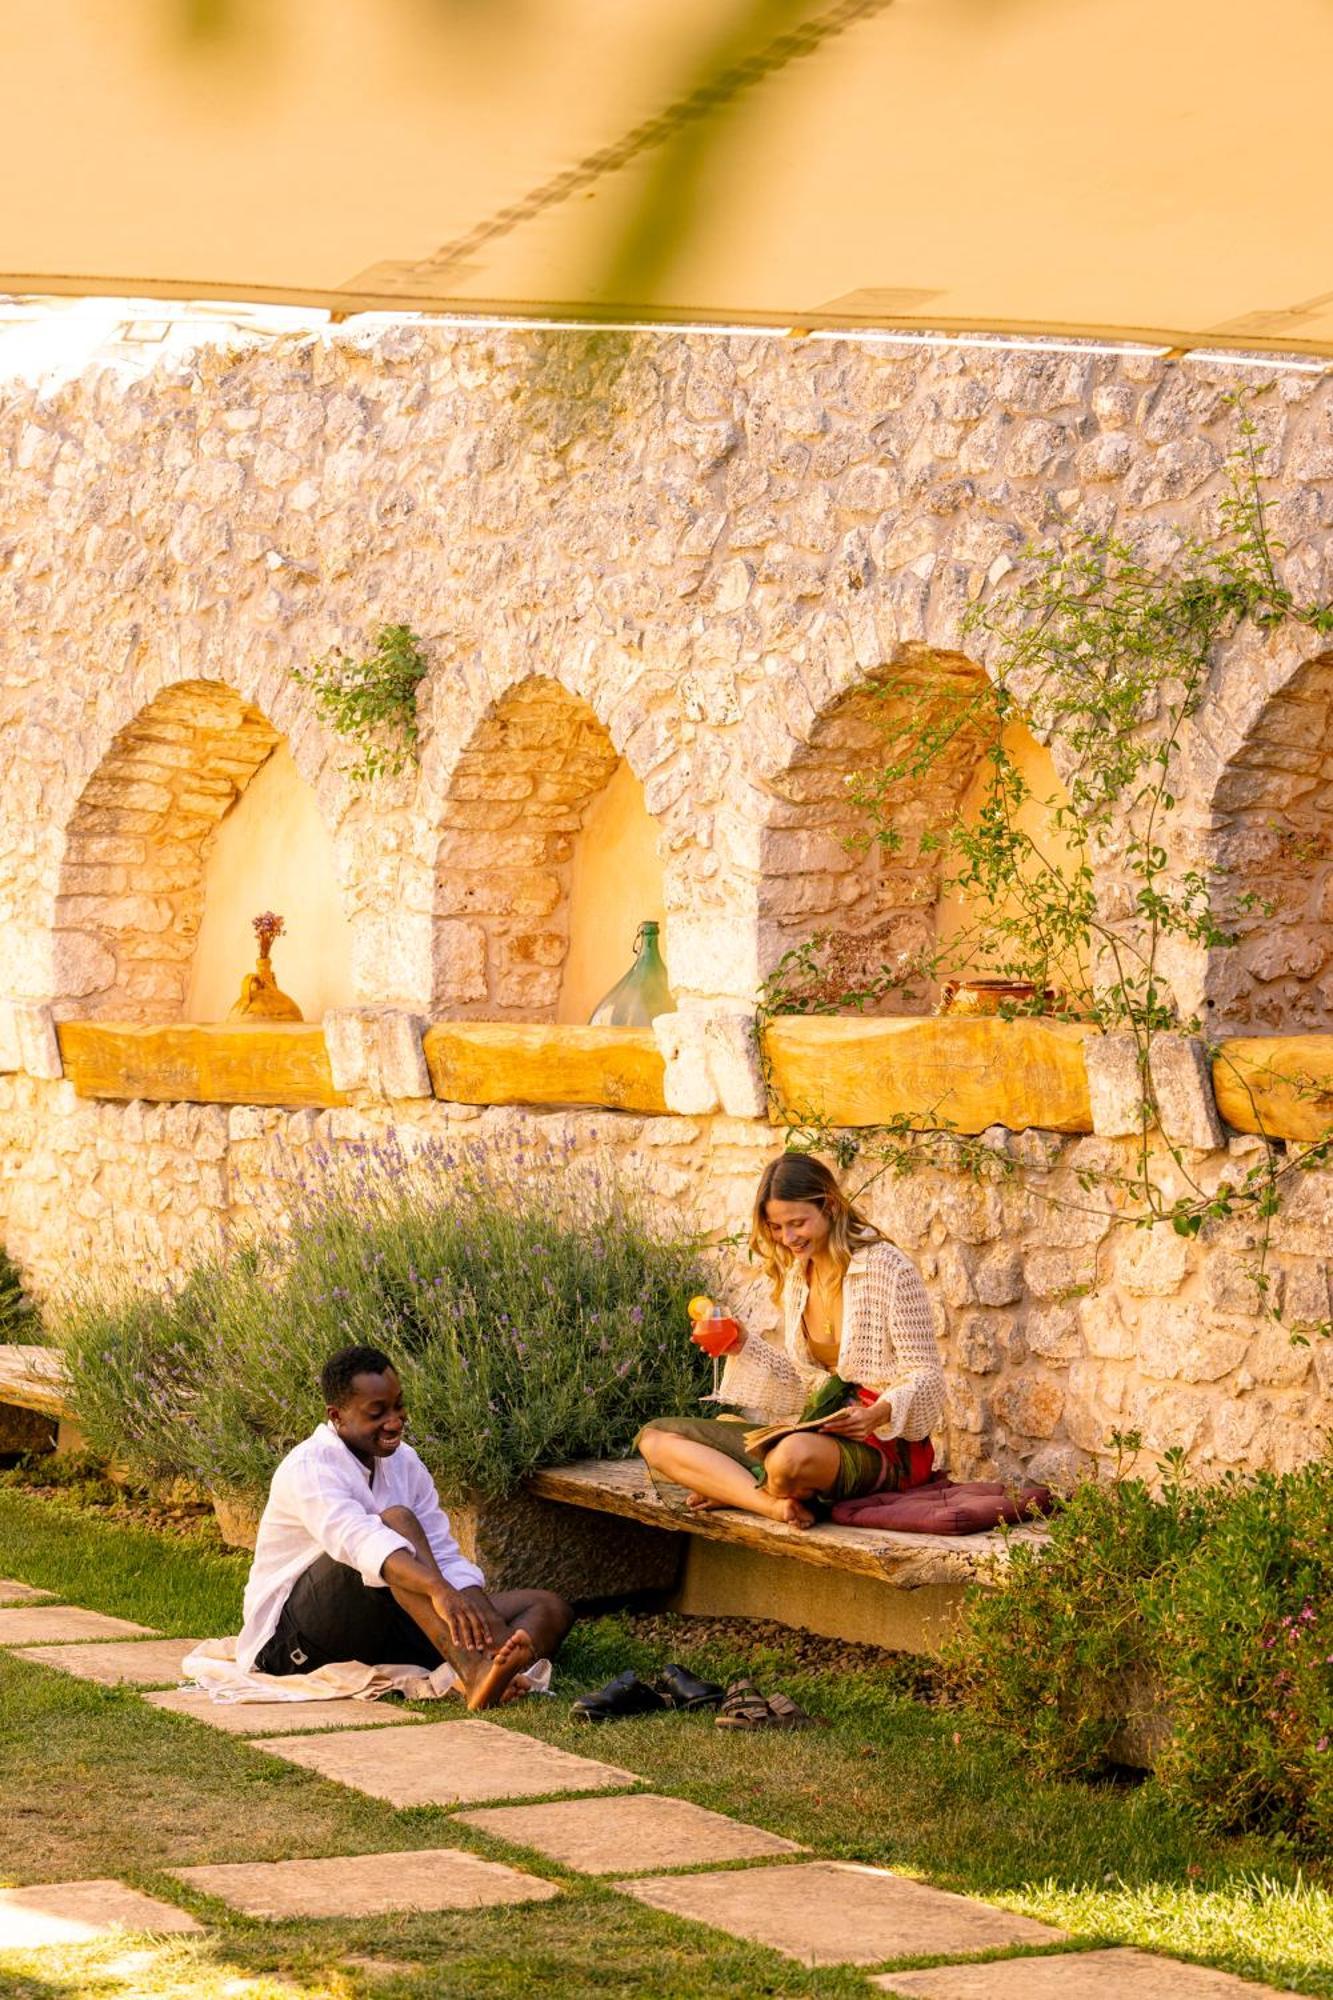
(272, 851)
(881, 904)
(959, 910)
(154, 854)
(547, 863)
(1270, 852)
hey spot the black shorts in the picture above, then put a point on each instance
(332, 1614)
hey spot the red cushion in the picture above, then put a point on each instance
(942, 1508)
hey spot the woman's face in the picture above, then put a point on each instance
(799, 1227)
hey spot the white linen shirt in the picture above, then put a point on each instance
(324, 1501)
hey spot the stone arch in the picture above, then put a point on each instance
(880, 903)
(512, 814)
(1269, 849)
(875, 903)
(130, 894)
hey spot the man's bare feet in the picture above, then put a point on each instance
(700, 1503)
(792, 1514)
(487, 1685)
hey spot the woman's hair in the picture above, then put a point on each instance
(800, 1177)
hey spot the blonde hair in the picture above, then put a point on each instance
(801, 1177)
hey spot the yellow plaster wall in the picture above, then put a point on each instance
(616, 885)
(1034, 817)
(272, 852)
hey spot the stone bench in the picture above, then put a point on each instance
(600, 1529)
(34, 1393)
(873, 1585)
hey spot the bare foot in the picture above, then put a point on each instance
(793, 1514)
(699, 1503)
(494, 1675)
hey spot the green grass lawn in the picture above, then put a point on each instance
(95, 1782)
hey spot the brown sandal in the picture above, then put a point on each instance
(743, 1707)
(787, 1714)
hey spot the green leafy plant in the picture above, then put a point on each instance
(1209, 1608)
(1051, 1658)
(536, 1313)
(1243, 1643)
(373, 701)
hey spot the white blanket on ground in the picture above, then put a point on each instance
(212, 1666)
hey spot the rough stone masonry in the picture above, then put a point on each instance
(694, 553)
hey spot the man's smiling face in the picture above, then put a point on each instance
(370, 1422)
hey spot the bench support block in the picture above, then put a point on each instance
(525, 1541)
(723, 1581)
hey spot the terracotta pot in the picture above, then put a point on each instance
(977, 997)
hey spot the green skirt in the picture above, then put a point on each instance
(861, 1469)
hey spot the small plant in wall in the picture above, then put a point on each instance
(372, 701)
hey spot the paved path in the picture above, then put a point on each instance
(765, 1890)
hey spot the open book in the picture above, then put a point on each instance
(832, 1396)
(757, 1442)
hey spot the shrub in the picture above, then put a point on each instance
(1053, 1656)
(1215, 1602)
(535, 1312)
(18, 1316)
(1244, 1644)
(138, 1362)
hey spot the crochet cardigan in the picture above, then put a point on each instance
(887, 1344)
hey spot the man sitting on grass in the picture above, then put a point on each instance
(355, 1559)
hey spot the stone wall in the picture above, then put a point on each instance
(692, 551)
(1058, 1325)
(696, 554)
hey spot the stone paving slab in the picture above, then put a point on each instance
(606, 1836)
(75, 1912)
(838, 1913)
(14, 1592)
(280, 1718)
(118, 1662)
(448, 1764)
(368, 1885)
(1120, 1974)
(40, 1624)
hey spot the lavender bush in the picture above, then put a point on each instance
(19, 1320)
(536, 1313)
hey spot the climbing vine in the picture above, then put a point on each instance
(1104, 655)
(372, 701)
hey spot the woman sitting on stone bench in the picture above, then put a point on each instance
(857, 1336)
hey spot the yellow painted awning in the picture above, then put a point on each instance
(1151, 169)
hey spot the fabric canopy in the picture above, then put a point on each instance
(1148, 169)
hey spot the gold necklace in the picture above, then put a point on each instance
(822, 1291)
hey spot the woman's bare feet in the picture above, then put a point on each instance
(488, 1684)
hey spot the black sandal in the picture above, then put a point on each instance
(685, 1690)
(625, 1695)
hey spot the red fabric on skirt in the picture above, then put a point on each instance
(908, 1461)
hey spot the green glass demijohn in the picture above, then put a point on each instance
(643, 993)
